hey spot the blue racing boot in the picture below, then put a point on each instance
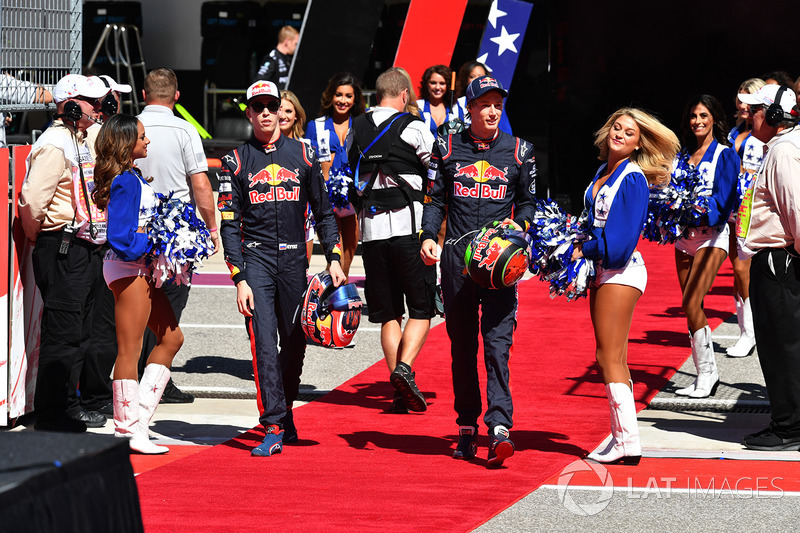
(273, 443)
(289, 429)
(500, 446)
(467, 446)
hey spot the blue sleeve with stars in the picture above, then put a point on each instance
(123, 218)
(724, 193)
(615, 243)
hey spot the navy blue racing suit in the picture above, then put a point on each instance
(478, 182)
(263, 191)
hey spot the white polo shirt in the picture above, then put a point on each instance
(175, 152)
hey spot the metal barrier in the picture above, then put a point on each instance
(40, 42)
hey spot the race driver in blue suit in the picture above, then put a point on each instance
(264, 187)
(479, 176)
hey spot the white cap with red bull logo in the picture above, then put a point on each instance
(262, 88)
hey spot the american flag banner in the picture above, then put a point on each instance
(502, 42)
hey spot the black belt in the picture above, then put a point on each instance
(56, 234)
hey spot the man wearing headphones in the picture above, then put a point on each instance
(93, 377)
(57, 212)
(177, 163)
(768, 228)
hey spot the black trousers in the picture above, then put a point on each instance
(67, 285)
(178, 296)
(94, 377)
(775, 301)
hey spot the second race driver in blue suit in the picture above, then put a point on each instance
(479, 176)
(264, 187)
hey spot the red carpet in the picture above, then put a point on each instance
(358, 468)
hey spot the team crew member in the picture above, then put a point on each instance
(638, 151)
(480, 175)
(275, 65)
(773, 235)
(398, 147)
(702, 249)
(264, 187)
(177, 164)
(57, 213)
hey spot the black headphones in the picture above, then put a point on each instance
(72, 111)
(109, 104)
(774, 114)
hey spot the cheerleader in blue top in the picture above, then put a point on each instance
(702, 249)
(341, 101)
(131, 203)
(751, 152)
(638, 150)
(466, 73)
(434, 104)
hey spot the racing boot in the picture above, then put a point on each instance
(467, 447)
(500, 446)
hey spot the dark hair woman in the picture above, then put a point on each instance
(702, 249)
(131, 204)
(342, 100)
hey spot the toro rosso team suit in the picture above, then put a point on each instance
(478, 182)
(263, 191)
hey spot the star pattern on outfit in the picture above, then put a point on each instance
(635, 260)
(505, 41)
(126, 403)
(494, 14)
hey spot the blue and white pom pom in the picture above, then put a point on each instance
(553, 233)
(180, 241)
(340, 183)
(680, 204)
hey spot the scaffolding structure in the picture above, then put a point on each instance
(40, 42)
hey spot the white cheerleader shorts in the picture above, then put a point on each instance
(633, 274)
(704, 237)
(115, 268)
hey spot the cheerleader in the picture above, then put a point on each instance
(703, 248)
(751, 153)
(131, 203)
(468, 72)
(434, 106)
(638, 150)
(341, 101)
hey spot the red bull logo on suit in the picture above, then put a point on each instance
(274, 175)
(483, 173)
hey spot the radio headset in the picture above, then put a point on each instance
(72, 111)
(108, 105)
(774, 114)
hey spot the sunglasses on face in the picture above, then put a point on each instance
(755, 108)
(272, 106)
(90, 101)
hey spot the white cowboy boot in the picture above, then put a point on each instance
(686, 391)
(747, 340)
(625, 447)
(707, 375)
(154, 381)
(126, 417)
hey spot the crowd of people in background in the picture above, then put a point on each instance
(90, 192)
